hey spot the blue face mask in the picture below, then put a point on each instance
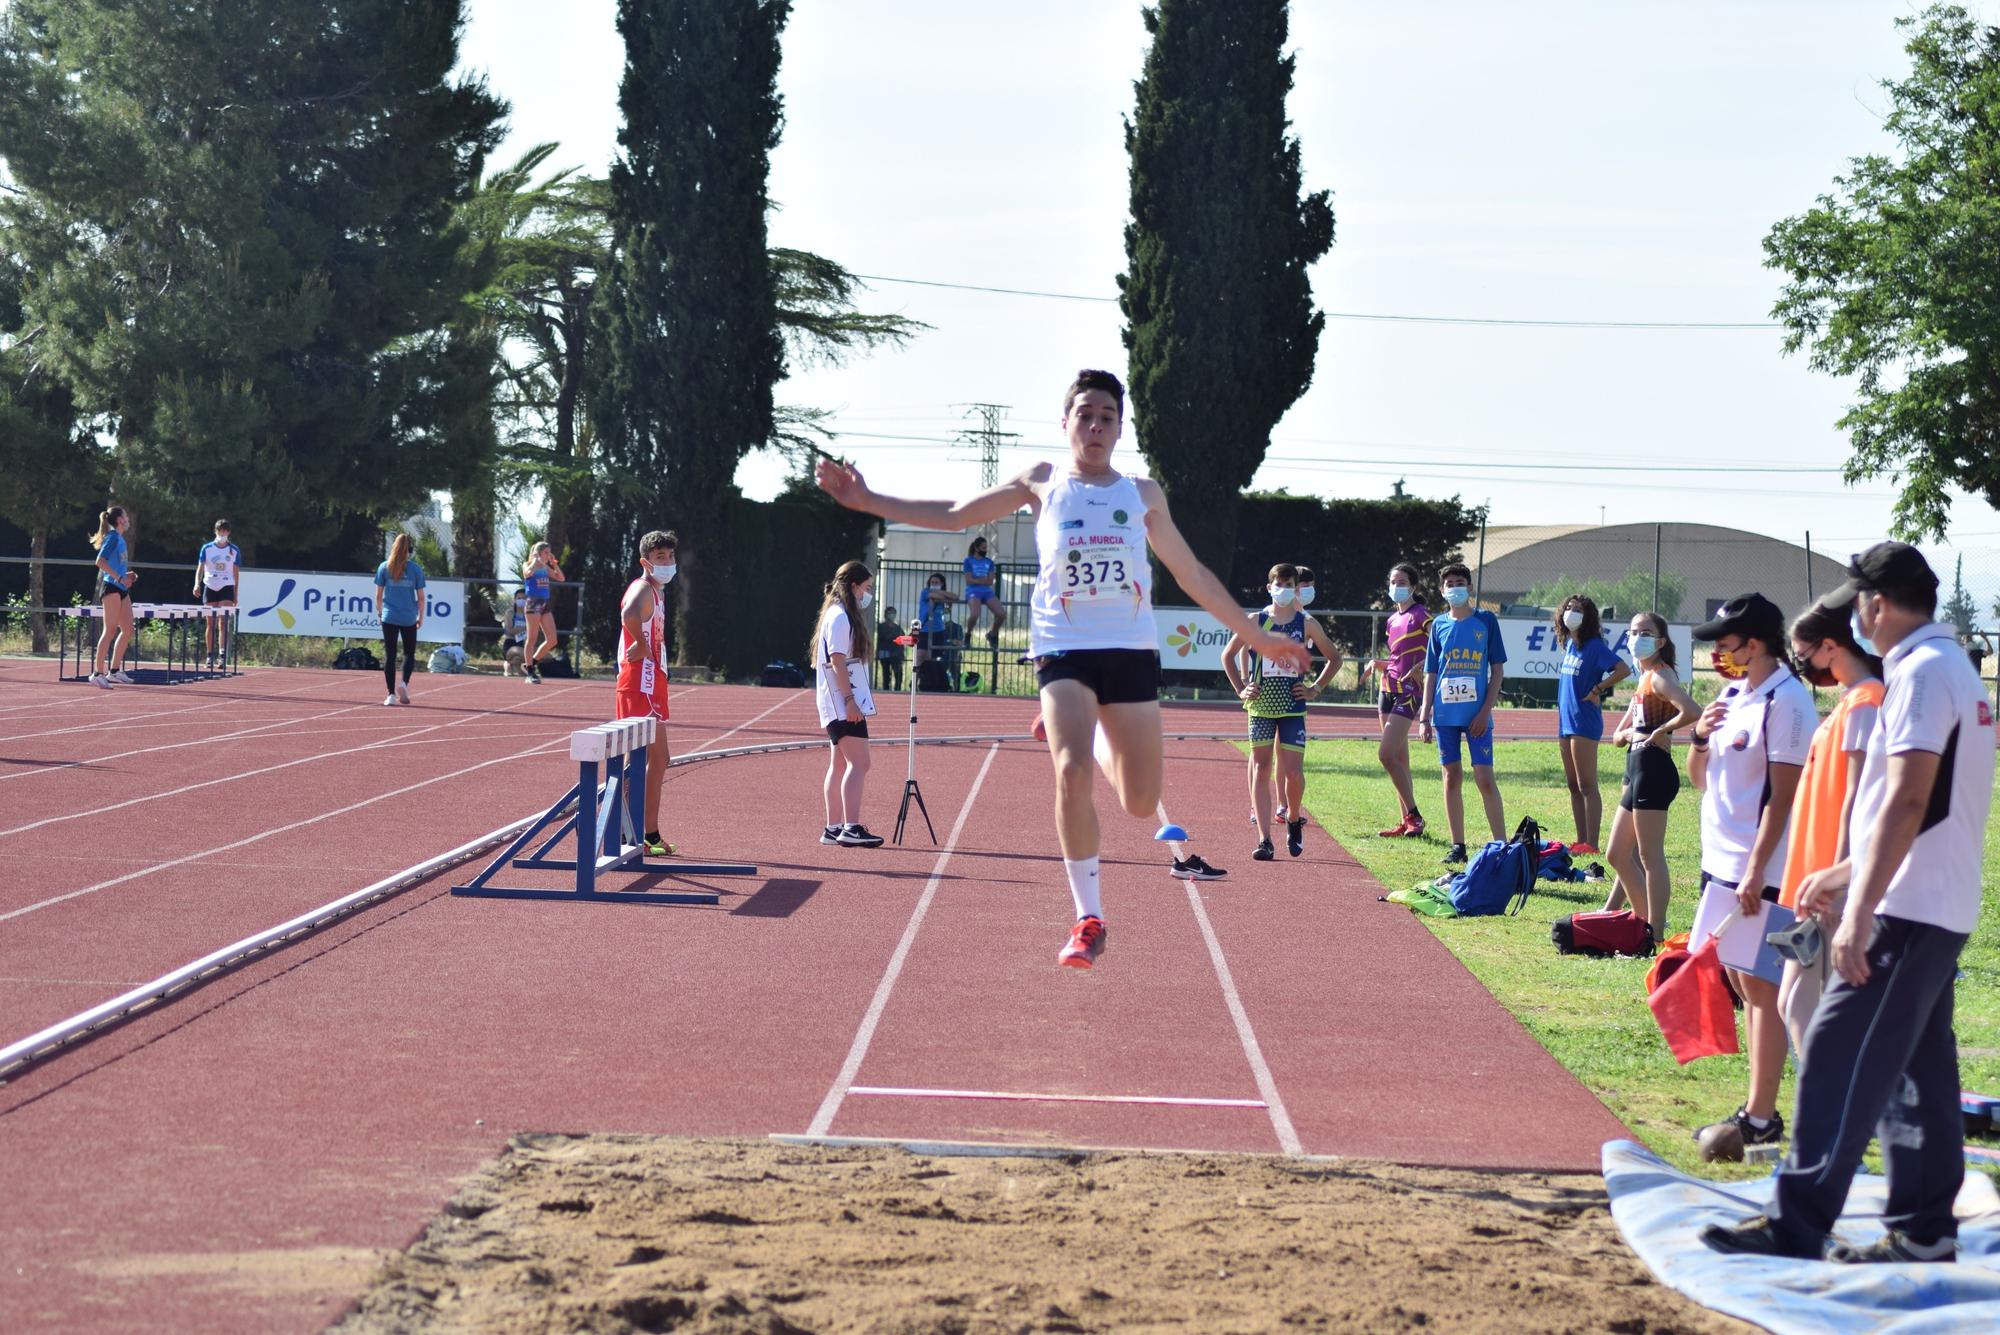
(1458, 595)
(866, 597)
(1281, 595)
(1867, 645)
(1305, 595)
(1644, 646)
(1400, 593)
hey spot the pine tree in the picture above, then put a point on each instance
(1221, 332)
(688, 348)
(1959, 609)
(238, 220)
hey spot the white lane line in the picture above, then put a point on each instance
(125, 720)
(280, 829)
(1281, 1121)
(1163, 1100)
(55, 766)
(790, 698)
(268, 769)
(865, 1035)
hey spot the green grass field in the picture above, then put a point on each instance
(1591, 1014)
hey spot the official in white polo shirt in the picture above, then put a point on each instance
(1880, 1054)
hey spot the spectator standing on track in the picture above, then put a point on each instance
(1091, 624)
(1462, 671)
(1402, 687)
(536, 578)
(839, 653)
(1746, 753)
(399, 606)
(216, 567)
(1880, 1053)
(888, 653)
(1660, 706)
(642, 666)
(982, 590)
(514, 635)
(1823, 646)
(1589, 671)
(1275, 697)
(115, 579)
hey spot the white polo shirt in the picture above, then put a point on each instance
(1771, 725)
(836, 636)
(219, 561)
(1934, 703)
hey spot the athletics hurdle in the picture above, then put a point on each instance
(183, 659)
(606, 824)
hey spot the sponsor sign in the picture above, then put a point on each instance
(303, 602)
(1190, 639)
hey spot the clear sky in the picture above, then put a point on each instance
(1539, 159)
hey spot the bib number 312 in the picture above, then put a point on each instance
(1458, 691)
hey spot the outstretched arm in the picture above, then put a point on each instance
(1202, 585)
(845, 484)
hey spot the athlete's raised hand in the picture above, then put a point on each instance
(843, 482)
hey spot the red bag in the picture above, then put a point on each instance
(1693, 1008)
(1614, 932)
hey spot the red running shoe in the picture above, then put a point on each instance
(1586, 850)
(1413, 826)
(1397, 831)
(1086, 943)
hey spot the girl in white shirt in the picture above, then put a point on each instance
(841, 649)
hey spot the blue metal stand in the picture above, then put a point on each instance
(607, 825)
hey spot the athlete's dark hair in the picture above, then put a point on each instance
(106, 521)
(222, 526)
(1284, 570)
(1820, 622)
(1665, 653)
(1305, 575)
(659, 540)
(1088, 380)
(840, 593)
(939, 576)
(978, 539)
(1591, 628)
(1455, 569)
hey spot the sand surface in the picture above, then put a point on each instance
(620, 1233)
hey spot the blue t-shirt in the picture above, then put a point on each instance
(399, 596)
(979, 571)
(537, 583)
(934, 612)
(113, 554)
(1584, 664)
(1459, 654)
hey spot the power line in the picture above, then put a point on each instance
(1473, 321)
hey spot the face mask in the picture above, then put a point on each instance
(865, 600)
(1282, 596)
(662, 574)
(1400, 593)
(1644, 646)
(1729, 664)
(1573, 619)
(937, 588)
(1867, 645)
(1306, 595)
(1819, 676)
(1458, 595)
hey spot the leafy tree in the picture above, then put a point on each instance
(1220, 326)
(1959, 609)
(1630, 592)
(239, 222)
(1892, 278)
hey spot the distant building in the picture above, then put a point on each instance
(1012, 540)
(1717, 563)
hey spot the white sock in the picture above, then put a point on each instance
(1082, 873)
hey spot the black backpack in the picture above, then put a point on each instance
(931, 675)
(556, 664)
(358, 658)
(778, 672)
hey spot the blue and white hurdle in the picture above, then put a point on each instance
(608, 823)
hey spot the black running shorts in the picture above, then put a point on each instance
(1652, 780)
(1116, 676)
(225, 594)
(840, 728)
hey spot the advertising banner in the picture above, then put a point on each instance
(302, 602)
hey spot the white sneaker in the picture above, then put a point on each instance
(403, 694)
(389, 700)
(124, 678)
(99, 679)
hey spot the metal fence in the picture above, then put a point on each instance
(970, 659)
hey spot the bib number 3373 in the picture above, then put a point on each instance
(1089, 574)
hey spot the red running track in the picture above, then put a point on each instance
(235, 1161)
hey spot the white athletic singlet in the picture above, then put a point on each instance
(1094, 590)
(650, 673)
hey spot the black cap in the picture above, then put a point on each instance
(1894, 568)
(1752, 615)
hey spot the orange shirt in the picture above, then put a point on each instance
(1815, 839)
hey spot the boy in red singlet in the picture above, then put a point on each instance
(642, 666)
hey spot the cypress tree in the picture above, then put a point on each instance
(1220, 326)
(688, 347)
(238, 224)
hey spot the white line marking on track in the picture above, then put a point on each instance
(55, 766)
(865, 1035)
(1281, 1121)
(125, 720)
(281, 829)
(1166, 1100)
(789, 699)
(268, 769)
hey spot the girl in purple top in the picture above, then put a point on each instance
(1402, 684)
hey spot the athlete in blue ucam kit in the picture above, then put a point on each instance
(1462, 675)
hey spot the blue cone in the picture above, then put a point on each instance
(1171, 834)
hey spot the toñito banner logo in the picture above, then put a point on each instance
(1190, 639)
(296, 602)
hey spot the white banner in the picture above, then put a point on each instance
(1191, 641)
(292, 602)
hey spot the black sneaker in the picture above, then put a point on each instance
(1295, 836)
(1455, 856)
(1755, 1236)
(1192, 868)
(1264, 851)
(830, 835)
(1770, 1133)
(1895, 1246)
(857, 836)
